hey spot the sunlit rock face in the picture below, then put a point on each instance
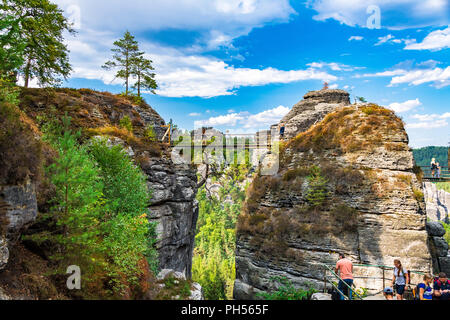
(372, 206)
(312, 109)
(437, 203)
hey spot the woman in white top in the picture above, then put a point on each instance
(400, 279)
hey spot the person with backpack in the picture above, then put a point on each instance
(424, 290)
(438, 170)
(441, 287)
(400, 279)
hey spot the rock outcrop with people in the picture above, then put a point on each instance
(345, 185)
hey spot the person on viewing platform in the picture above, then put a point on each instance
(433, 167)
(400, 279)
(424, 288)
(441, 287)
(344, 268)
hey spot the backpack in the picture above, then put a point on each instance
(416, 293)
(334, 294)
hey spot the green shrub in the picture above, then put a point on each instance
(286, 291)
(125, 123)
(150, 133)
(317, 189)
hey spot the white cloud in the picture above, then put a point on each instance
(195, 114)
(405, 106)
(356, 38)
(427, 125)
(407, 13)
(438, 77)
(429, 121)
(384, 39)
(246, 121)
(333, 66)
(197, 76)
(217, 21)
(266, 118)
(226, 120)
(422, 73)
(436, 40)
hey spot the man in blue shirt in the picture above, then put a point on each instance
(441, 287)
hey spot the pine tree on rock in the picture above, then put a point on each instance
(142, 69)
(126, 51)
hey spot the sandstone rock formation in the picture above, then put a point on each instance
(345, 184)
(439, 247)
(437, 203)
(174, 208)
(315, 106)
(18, 209)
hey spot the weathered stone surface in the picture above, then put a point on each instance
(444, 263)
(437, 202)
(280, 235)
(435, 229)
(174, 208)
(441, 246)
(18, 205)
(315, 106)
(321, 296)
(4, 253)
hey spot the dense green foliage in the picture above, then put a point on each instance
(286, 291)
(447, 229)
(98, 223)
(423, 156)
(214, 255)
(443, 186)
(34, 41)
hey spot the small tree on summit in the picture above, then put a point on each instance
(126, 51)
(142, 69)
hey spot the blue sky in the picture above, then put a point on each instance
(240, 65)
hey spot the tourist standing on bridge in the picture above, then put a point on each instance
(400, 279)
(345, 269)
(433, 168)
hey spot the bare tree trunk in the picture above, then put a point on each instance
(27, 72)
(139, 85)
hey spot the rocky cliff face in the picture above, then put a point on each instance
(345, 184)
(437, 203)
(173, 187)
(174, 208)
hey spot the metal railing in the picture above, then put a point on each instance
(328, 279)
(329, 268)
(434, 175)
